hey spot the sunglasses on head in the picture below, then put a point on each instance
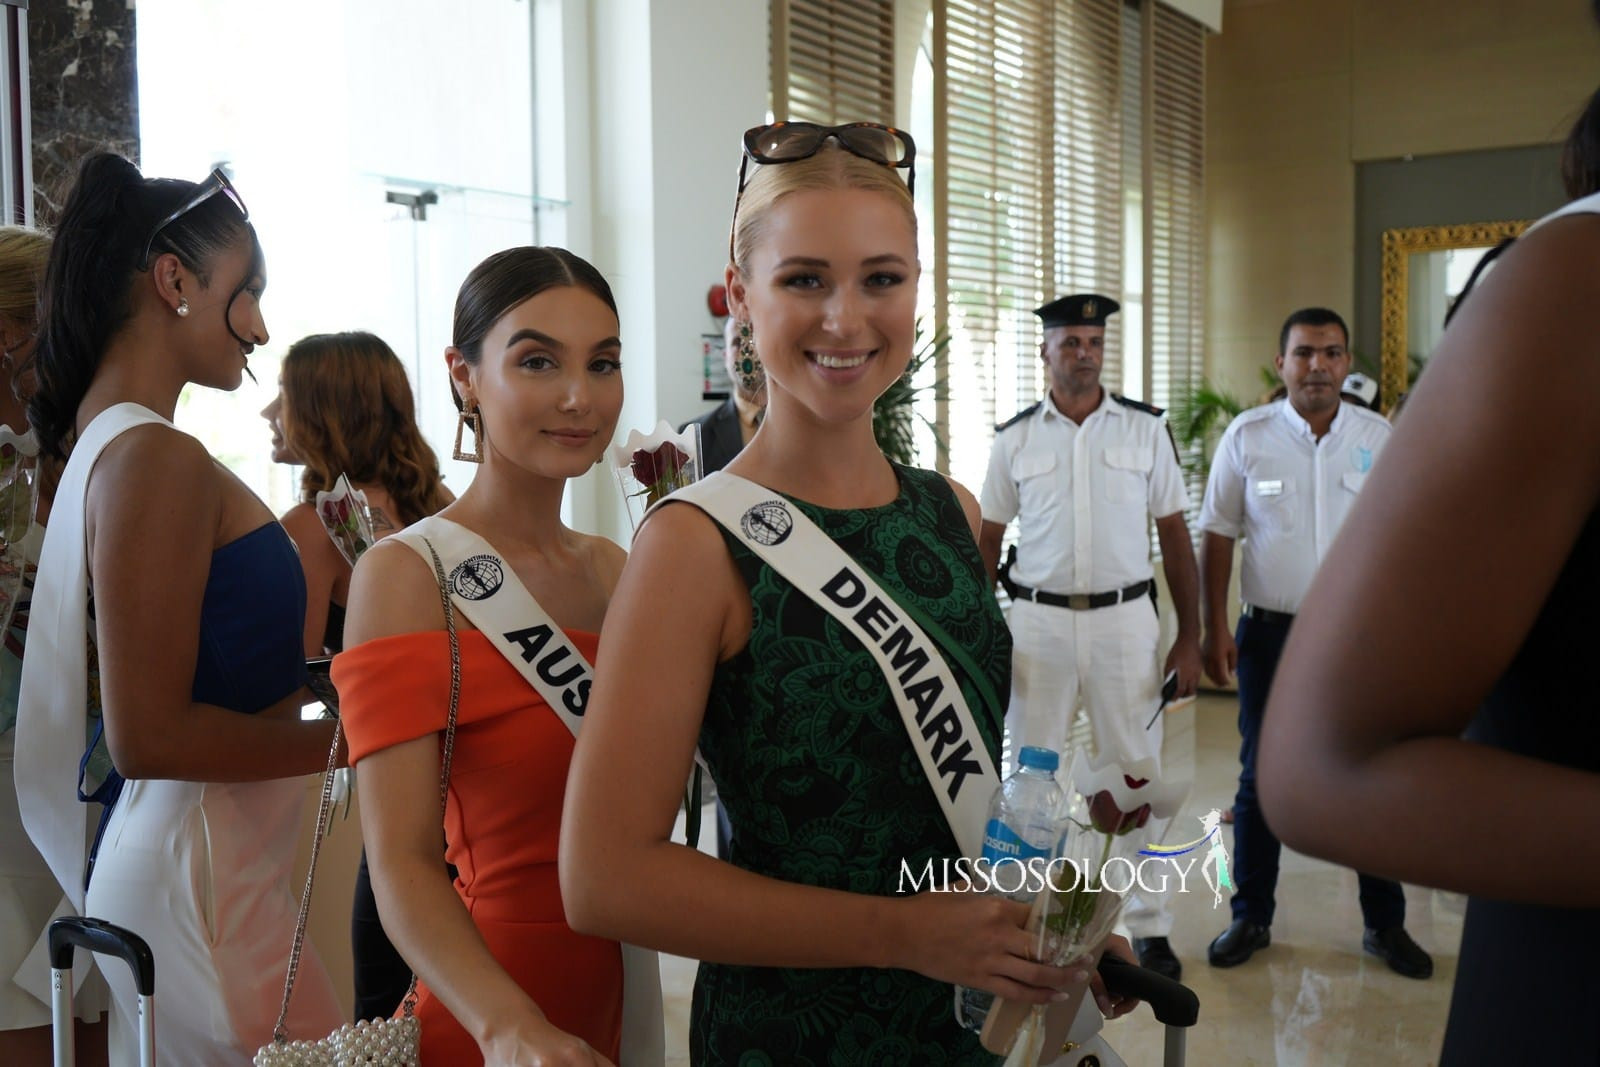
(217, 183)
(789, 142)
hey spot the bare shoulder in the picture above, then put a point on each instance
(152, 453)
(679, 558)
(1539, 298)
(969, 505)
(304, 527)
(393, 591)
(679, 553)
(607, 557)
(157, 469)
(679, 529)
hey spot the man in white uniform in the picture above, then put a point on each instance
(1284, 477)
(1084, 471)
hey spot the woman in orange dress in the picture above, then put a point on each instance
(535, 364)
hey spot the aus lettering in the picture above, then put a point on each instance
(559, 668)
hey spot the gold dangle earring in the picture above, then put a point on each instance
(470, 416)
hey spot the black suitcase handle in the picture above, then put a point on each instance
(101, 937)
(1173, 1002)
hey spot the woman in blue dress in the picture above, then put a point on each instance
(163, 563)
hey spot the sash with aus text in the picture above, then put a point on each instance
(930, 702)
(489, 593)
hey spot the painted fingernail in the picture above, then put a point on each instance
(1060, 995)
(1104, 1005)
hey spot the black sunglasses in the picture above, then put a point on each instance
(789, 142)
(217, 183)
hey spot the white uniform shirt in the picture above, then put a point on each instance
(1287, 493)
(1085, 494)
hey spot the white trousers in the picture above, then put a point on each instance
(1107, 659)
(201, 871)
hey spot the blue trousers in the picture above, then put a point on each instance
(1255, 847)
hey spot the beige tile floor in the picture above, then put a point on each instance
(1312, 998)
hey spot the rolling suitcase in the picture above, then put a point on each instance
(1174, 1004)
(103, 939)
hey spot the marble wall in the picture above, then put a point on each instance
(84, 91)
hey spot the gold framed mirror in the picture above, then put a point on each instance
(1424, 270)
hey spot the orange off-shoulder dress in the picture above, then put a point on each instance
(501, 822)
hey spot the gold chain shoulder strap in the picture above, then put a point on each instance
(280, 1032)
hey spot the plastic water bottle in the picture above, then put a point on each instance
(1024, 824)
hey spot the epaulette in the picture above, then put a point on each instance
(1148, 409)
(1018, 417)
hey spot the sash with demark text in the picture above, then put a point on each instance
(931, 705)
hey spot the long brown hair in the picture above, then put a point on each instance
(347, 409)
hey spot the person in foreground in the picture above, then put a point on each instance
(535, 362)
(1465, 752)
(163, 562)
(810, 956)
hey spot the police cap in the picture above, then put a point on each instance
(1081, 309)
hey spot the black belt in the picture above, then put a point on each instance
(1277, 618)
(1081, 601)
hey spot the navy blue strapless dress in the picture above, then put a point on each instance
(203, 869)
(251, 623)
(250, 655)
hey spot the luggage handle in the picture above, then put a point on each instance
(1174, 1003)
(101, 937)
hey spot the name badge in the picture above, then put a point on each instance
(1272, 487)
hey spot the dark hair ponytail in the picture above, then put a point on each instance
(88, 285)
(505, 280)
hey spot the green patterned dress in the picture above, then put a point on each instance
(823, 787)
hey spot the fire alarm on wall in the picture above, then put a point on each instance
(717, 300)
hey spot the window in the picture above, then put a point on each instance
(833, 60)
(374, 190)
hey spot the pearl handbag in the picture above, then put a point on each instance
(391, 1042)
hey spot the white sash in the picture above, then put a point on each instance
(935, 713)
(52, 707)
(488, 592)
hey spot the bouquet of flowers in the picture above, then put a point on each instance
(650, 468)
(1072, 916)
(349, 519)
(1095, 865)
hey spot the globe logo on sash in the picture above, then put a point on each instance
(768, 523)
(477, 578)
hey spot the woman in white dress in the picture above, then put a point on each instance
(191, 594)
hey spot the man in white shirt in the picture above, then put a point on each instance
(1283, 478)
(1084, 471)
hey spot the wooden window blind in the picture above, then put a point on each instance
(993, 190)
(1089, 161)
(833, 60)
(1175, 242)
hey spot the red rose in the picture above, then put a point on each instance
(1109, 819)
(651, 468)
